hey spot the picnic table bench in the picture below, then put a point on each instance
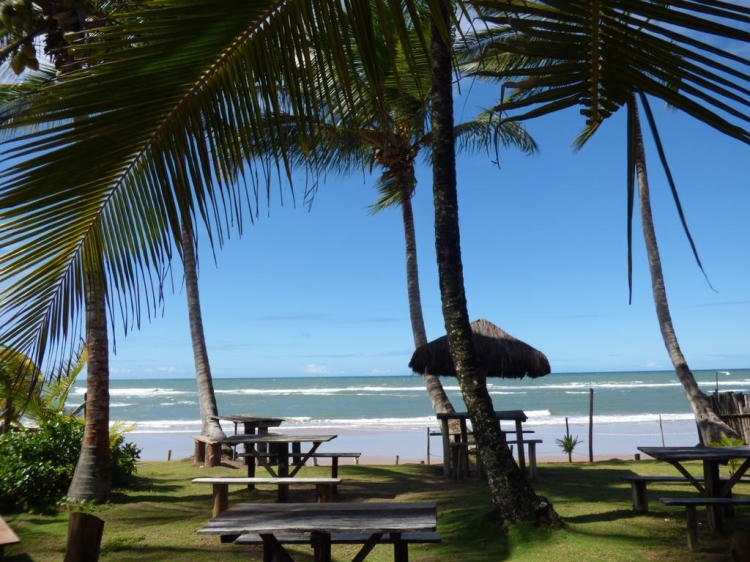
(334, 456)
(323, 487)
(400, 541)
(7, 536)
(461, 451)
(207, 451)
(691, 515)
(639, 483)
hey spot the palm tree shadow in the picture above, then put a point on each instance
(605, 516)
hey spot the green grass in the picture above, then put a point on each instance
(157, 520)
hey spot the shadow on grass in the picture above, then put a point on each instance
(19, 558)
(602, 517)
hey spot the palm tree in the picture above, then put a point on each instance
(712, 427)
(553, 71)
(197, 109)
(390, 130)
(512, 495)
(92, 478)
(172, 132)
(206, 394)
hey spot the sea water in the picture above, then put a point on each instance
(624, 403)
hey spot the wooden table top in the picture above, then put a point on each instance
(289, 518)
(248, 418)
(697, 453)
(502, 415)
(277, 438)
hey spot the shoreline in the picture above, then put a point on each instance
(383, 447)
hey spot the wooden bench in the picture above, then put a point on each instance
(334, 461)
(398, 540)
(207, 451)
(323, 487)
(638, 484)
(461, 452)
(532, 443)
(691, 515)
(7, 536)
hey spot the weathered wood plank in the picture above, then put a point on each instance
(367, 517)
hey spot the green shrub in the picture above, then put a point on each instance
(124, 458)
(36, 465)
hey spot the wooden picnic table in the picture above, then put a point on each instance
(516, 416)
(279, 447)
(250, 423)
(712, 485)
(371, 520)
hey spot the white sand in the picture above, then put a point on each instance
(616, 440)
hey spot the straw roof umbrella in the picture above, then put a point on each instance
(499, 355)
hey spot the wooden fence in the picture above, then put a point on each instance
(734, 409)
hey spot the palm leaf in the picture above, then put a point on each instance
(159, 128)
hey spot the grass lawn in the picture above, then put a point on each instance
(157, 520)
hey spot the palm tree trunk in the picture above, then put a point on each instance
(512, 496)
(206, 396)
(92, 479)
(709, 424)
(438, 398)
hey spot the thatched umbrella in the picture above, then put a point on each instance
(499, 355)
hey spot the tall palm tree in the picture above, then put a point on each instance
(711, 426)
(176, 129)
(512, 495)
(206, 395)
(550, 71)
(390, 130)
(92, 478)
(197, 109)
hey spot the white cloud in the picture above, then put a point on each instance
(314, 369)
(377, 371)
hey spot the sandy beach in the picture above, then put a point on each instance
(616, 440)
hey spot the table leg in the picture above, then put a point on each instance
(400, 548)
(249, 456)
(521, 453)
(445, 430)
(321, 543)
(335, 473)
(282, 450)
(367, 547)
(713, 488)
(532, 460)
(221, 498)
(273, 550)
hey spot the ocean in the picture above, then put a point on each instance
(649, 406)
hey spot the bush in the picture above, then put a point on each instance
(36, 465)
(124, 458)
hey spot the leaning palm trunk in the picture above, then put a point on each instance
(438, 398)
(512, 496)
(710, 425)
(92, 479)
(206, 395)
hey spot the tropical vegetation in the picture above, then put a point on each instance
(635, 54)
(166, 107)
(157, 518)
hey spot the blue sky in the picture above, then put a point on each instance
(544, 250)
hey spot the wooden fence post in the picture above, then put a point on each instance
(84, 538)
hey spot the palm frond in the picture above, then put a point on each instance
(122, 148)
